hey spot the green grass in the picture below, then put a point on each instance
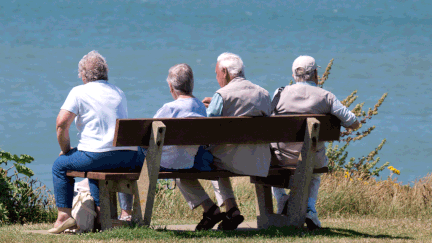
(351, 210)
(355, 229)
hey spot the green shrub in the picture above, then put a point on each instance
(22, 198)
(365, 166)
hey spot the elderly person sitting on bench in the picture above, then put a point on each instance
(305, 97)
(181, 82)
(95, 106)
(236, 97)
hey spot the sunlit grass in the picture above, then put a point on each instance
(351, 208)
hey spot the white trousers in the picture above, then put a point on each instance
(195, 194)
(321, 160)
(279, 193)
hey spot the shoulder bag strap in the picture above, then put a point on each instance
(275, 100)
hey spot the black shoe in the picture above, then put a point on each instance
(209, 219)
(312, 221)
(230, 222)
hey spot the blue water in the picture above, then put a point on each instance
(378, 47)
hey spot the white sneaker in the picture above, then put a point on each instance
(125, 218)
(312, 220)
(281, 204)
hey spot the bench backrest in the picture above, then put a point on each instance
(225, 130)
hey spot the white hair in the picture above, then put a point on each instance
(93, 67)
(181, 78)
(301, 75)
(233, 63)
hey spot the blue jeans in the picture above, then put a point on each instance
(114, 161)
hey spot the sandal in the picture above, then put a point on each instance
(209, 219)
(230, 222)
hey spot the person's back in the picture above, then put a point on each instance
(180, 157)
(240, 97)
(97, 104)
(243, 98)
(305, 97)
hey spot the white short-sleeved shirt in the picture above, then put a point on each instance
(97, 105)
(180, 157)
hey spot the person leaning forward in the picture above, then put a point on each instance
(236, 97)
(305, 97)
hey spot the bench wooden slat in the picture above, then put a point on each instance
(223, 130)
(182, 174)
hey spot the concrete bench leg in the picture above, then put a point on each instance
(264, 205)
(145, 187)
(113, 204)
(104, 197)
(297, 202)
(299, 185)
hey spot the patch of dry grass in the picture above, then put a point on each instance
(339, 196)
(342, 195)
(170, 206)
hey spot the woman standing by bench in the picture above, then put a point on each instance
(95, 106)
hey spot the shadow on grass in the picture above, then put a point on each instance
(135, 233)
(275, 232)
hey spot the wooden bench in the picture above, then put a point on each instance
(154, 133)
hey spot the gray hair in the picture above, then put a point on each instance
(233, 63)
(181, 78)
(93, 67)
(301, 75)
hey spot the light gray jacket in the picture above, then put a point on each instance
(243, 98)
(303, 98)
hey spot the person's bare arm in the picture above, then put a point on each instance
(207, 101)
(63, 123)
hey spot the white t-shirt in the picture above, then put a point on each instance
(180, 157)
(97, 105)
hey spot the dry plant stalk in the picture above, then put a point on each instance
(338, 154)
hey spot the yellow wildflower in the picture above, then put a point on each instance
(394, 170)
(347, 174)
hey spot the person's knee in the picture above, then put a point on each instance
(59, 165)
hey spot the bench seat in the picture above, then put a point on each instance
(189, 174)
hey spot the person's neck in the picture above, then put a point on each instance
(184, 96)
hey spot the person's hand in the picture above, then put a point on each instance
(207, 101)
(62, 153)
